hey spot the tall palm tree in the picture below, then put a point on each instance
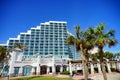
(82, 44)
(102, 39)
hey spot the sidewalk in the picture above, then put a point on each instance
(98, 76)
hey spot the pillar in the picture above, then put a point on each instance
(48, 69)
(75, 67)
(118, 65)
(33, 71)
(61, 68)
(108, 67)
(38, 69)
(67, 68)
(92, 68)
(99, 68)
(53, 69)
(11, 71)
(70, 68)
(20, 71)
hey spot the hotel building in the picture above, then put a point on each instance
(48, 38)
(47, 51)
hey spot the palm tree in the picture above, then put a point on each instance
(117, 55)
(4, 57)
(20, 46)
(3, 54)
(102, 39)
(82, 42)
(108, 55)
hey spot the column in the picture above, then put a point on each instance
(118, 65)
(53, 69)
(20, 71)
(92, 68)
(38, 69)
(67, 68)
(70, 68)
(99, 68)
(61, 68)
(48, 69)
(108, 67)
(33, 71)
(75, 68)
(11, 71)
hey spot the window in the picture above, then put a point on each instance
(46, 53)
(10, 40)
(16, 70)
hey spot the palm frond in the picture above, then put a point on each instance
(77, 30)
(70, 40)
(111, 33)
(111, 42)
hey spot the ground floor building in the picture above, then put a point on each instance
(21, 65)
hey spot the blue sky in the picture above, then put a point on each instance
(20, 15)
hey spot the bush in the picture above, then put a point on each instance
(113, 69)
(96, 70)
(65, 73)
(0, 75)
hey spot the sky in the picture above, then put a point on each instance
(20, 15)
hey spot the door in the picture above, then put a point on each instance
(43, 70)
(27, 70)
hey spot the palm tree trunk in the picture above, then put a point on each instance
(85, 68)
(100, 50)
(103, 71)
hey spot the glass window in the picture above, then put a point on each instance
(16, 70)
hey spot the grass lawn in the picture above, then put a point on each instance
(50, 78)
(41, 78)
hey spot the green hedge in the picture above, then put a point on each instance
(65, 72)
(113, 69)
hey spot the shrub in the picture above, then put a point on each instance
(113, 69)
(96, 70)
(65, 73)
(0, 75)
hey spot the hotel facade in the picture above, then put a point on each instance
(46, 52)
